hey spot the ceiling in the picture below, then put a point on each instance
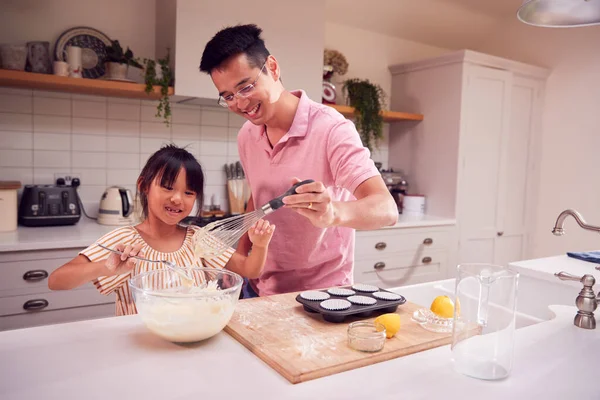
(449, 24)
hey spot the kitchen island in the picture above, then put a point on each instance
(118, 358)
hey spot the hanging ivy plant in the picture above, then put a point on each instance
(368, 100)
(163, 80)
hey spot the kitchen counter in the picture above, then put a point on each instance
(414, 221)
(545, 268)
(82, 234)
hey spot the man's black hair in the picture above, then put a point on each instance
(231, 41)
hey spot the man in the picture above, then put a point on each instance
(289, 137)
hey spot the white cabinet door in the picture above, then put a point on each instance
(483, 150)
(294, 33)
(517, 189)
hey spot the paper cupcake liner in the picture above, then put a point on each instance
(314, 295)
(362, 300)
(341, 292)
(335, 304)
(361, 287)
(387, 296)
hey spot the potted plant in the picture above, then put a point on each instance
(159, 73)
(117, 62)
(368, 100)
(334, 62)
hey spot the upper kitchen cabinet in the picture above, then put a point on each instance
(475, 156)
(294, 32)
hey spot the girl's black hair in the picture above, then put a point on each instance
(165, 165)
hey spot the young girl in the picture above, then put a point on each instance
(168, 186)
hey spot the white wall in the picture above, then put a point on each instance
(570, 166)
(369, 54)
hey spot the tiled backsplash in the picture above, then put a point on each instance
(106, 141)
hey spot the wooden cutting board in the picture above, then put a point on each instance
(301, 346)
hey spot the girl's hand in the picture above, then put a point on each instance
(260, 233)
(118, 264)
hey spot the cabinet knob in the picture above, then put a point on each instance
(379, 265)
(428, 241)
(426, 260)
(35, 275)
(380, 245)
(36, 304)
(500, 233)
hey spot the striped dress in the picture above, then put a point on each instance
(117, 284)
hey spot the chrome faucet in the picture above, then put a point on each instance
(558, 226)
(586, 301)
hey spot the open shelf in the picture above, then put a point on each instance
(97, 87)
(388, 116)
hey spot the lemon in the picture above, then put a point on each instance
(443, 306)
(391, 322)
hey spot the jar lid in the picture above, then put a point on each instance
(8, 185)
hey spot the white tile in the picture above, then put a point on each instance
(189, 116)
(123, 144)
(143, 159)
(91, 193)
(89, 176)
(89, 109)
(232, 149)
(129, 112)
(16, 104)
(216, 133)
(45, 176)
(16, 140)
(51, 141)
(215, 118)
(193, 146)
(236, 121)
(16, 158)
(122, 176)
(213, 163)
(121, 100)
(155, 129)
(89, 126)
(18, 92)
(16, 122)
(123, 128)
(149, 145)
(185, 131)
(51, 124)
(87, 97)
(215, 177)
(212, 148)
(88, 143)
(51, 159)
(232, 159)
(122, 161)
(23, 175)
(233, 133)
(53, 95)
(148, 113)
(84, 159)
(51, 106)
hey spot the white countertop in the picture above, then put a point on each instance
(117, 357)
(82, 234)
(545, 268)
(86, 231)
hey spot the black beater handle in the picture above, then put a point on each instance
(277, 202)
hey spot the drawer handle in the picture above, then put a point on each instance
(428, 241)
(36, 304)
(379, 265)
(380, 246)
(35, 275)
(426, 260)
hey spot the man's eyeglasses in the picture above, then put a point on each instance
(243, 93)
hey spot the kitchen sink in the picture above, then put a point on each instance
(533, 298)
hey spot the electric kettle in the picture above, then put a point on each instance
(116, 207)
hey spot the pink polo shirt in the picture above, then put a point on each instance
(321, 145)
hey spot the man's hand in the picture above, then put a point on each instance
(313, 202)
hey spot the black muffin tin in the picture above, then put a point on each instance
(355, 310)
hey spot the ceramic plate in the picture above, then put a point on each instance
(93, 53)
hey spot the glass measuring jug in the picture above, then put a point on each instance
(484, 320)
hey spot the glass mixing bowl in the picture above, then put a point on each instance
(182, 314)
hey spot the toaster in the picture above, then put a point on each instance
(49, 205)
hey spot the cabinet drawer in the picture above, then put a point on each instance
(29, 320)
(26, 275)
(401, 270)
(376, 243)
(48, 301)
